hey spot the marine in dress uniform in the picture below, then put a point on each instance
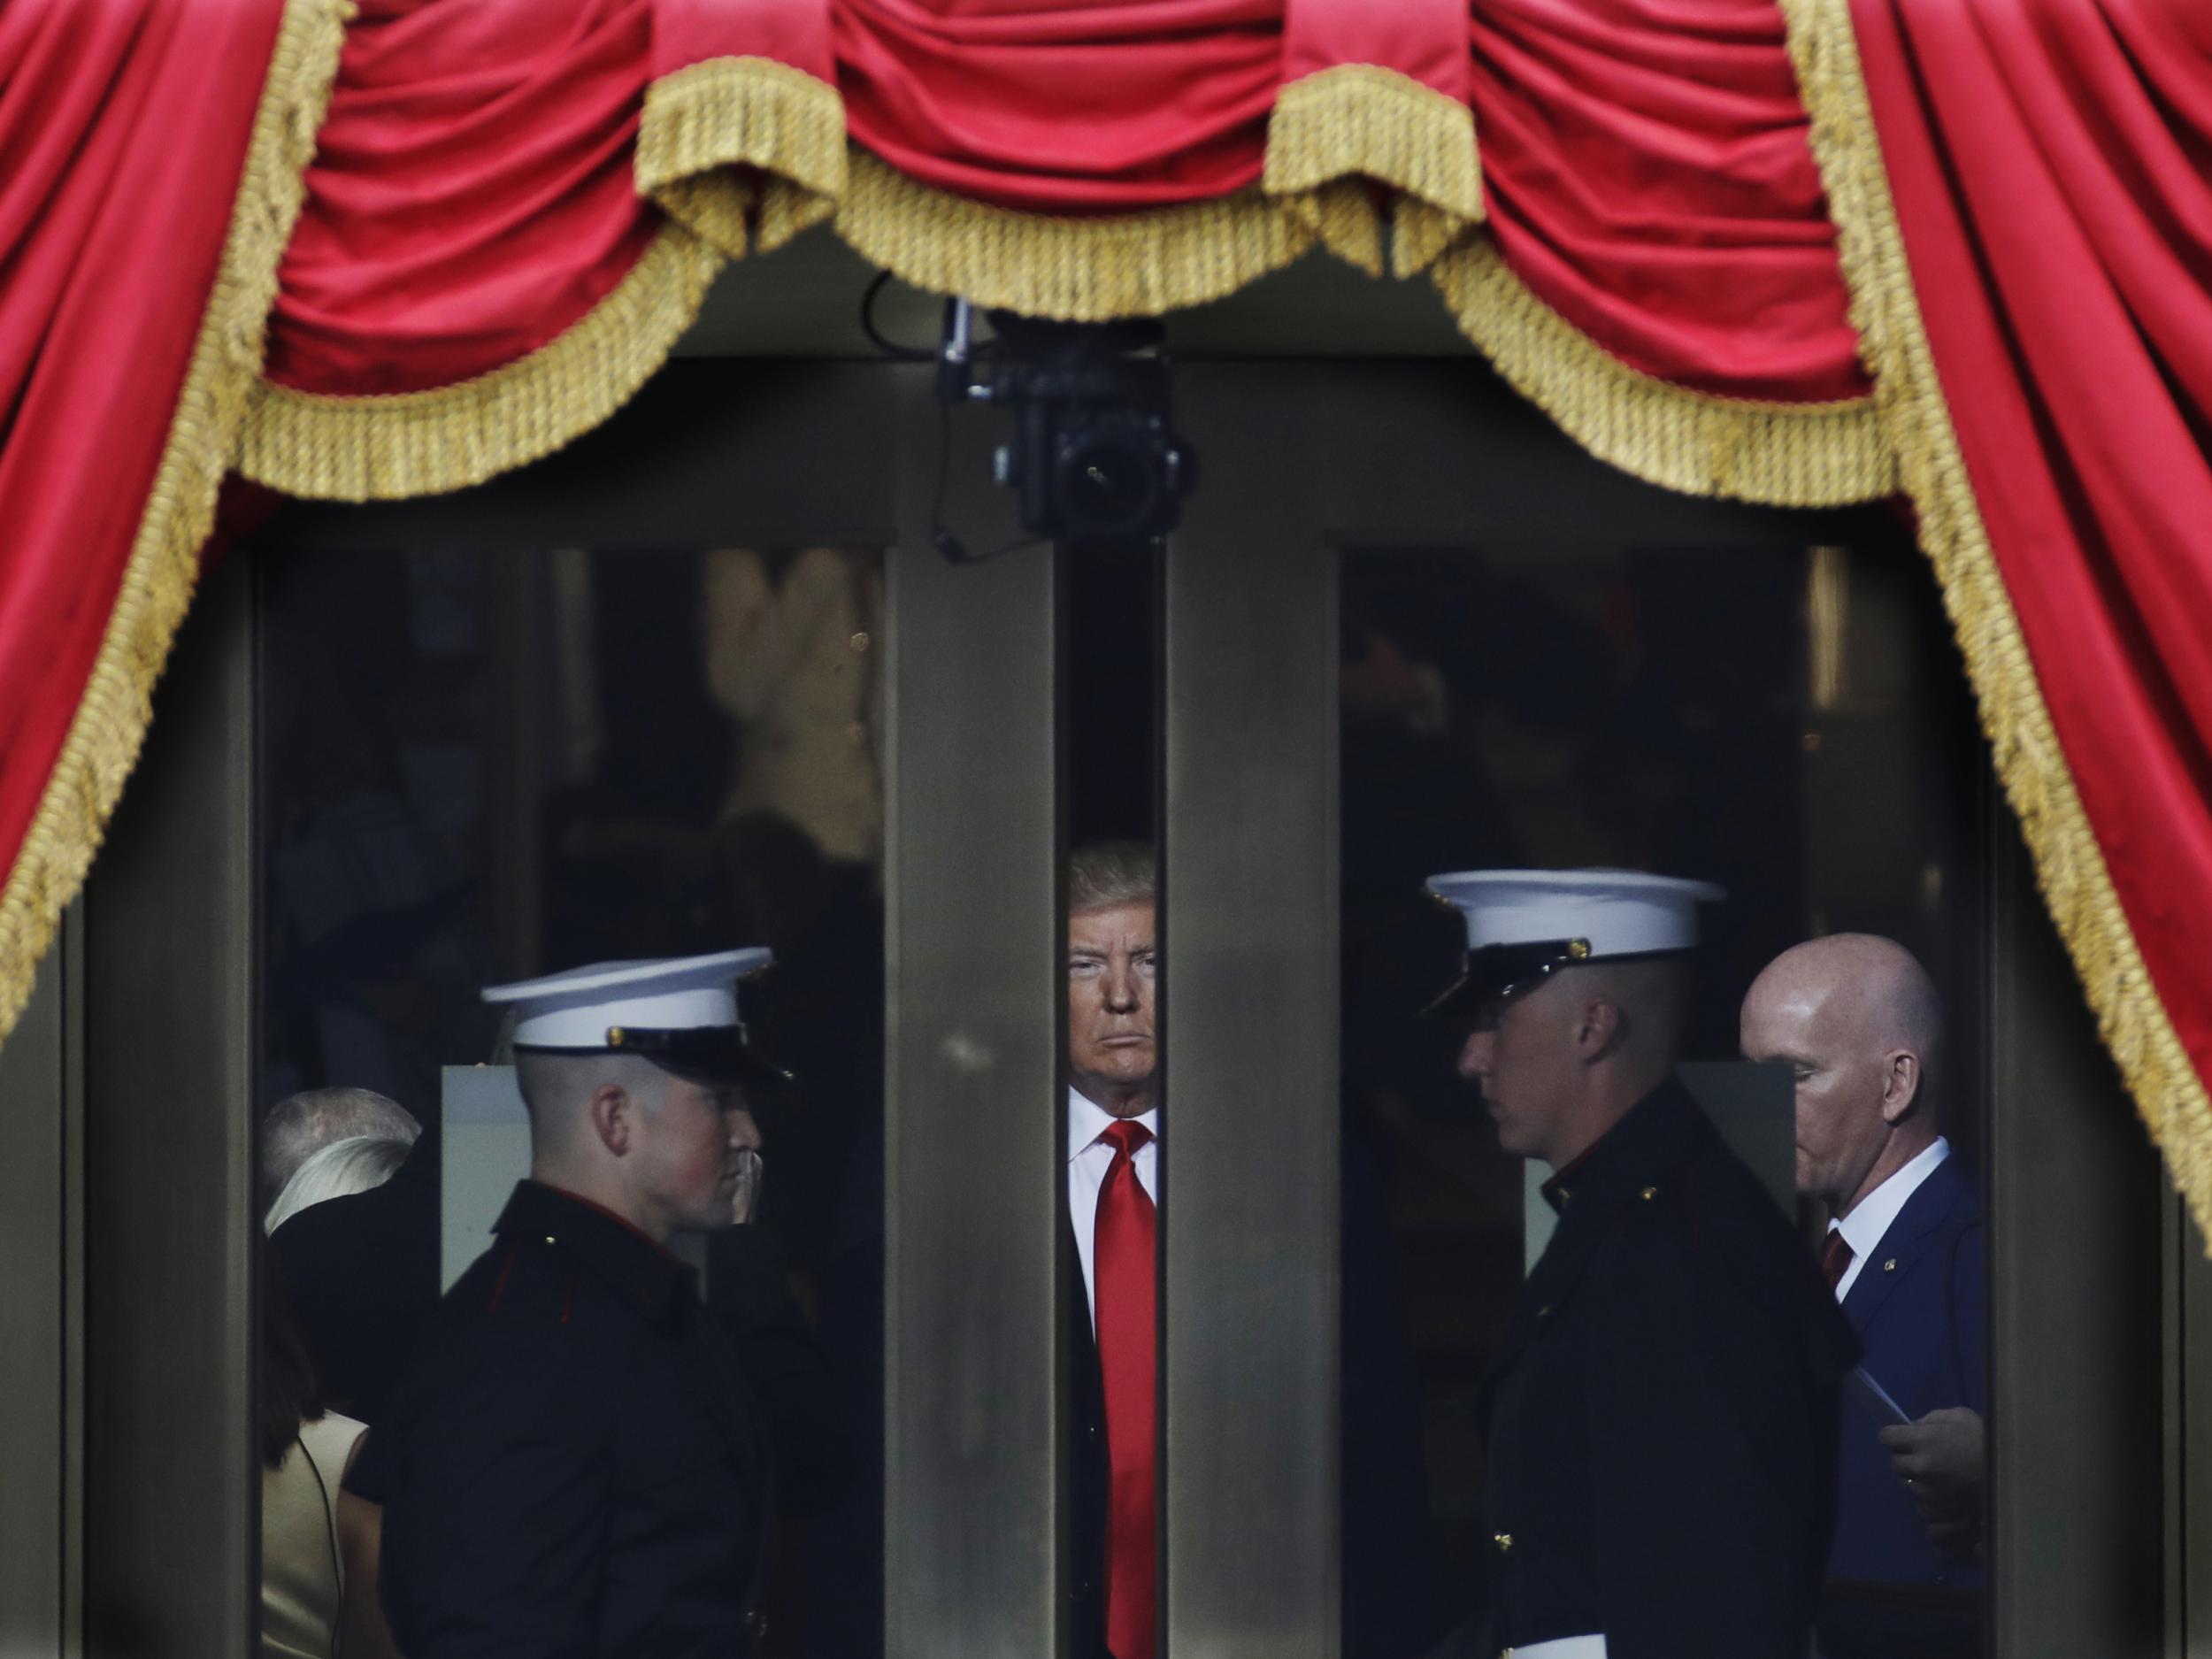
(1660, 1424)
(576, 1463)
(1860, 1021)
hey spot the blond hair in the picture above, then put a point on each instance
(1105, 874)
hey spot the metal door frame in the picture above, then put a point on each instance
(41, 1308)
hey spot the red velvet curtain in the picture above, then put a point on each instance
(471, 194)
(123, 130)
(1648, 174)
(2052, 169)
(1060, 108)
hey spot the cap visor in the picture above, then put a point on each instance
(1462, 999)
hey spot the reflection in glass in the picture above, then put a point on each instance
(1791, 725)
(481, 768)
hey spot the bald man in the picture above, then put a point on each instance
(1858, 1020)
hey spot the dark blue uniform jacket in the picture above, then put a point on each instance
(574, 1465)
(1662, 1423)
(1916, 1305)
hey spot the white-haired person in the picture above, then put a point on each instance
(355, 1165)
(300, 1125)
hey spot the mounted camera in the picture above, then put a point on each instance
(1092, 457)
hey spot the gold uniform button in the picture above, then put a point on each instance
(1544, 1312)
(1504, 1542)
(1890, 1266)
(1649, 1194)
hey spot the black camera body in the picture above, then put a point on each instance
(1092, 457)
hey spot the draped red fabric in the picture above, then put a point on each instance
(123, 131)
(2051, 170)
(473, 192)
(471, 196)
(1648, 174)
(1423, 39)
(1064, 108)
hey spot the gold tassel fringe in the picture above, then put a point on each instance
(2069, 863)
(1780, 455)
(1076, 270)
(751, 112)
(110, 725)
(423, 443)
(1333, 129)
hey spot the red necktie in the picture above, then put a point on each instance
(1128, 1338)
(1835, 1257)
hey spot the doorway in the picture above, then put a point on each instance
(1405, 624)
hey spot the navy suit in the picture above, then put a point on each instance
(1916, 1305)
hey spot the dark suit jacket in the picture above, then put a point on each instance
(1392, 1599)
(1662, 1423)
(361, 1276)
(1090, 1475)
(1916, 1305)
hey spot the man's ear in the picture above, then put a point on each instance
(1602, 1028)
(1900, 1085)
(613, 1116)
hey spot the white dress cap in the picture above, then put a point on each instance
(1615, 912)
(580, 1007)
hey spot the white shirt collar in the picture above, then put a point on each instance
(1088, 1120)
(1871, 1217)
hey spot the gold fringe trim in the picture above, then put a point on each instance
(1075, 270)
(423, 443)
(158, 579)
(750, 112)
(1333, 129)
(1780, 455)
(2069, 862)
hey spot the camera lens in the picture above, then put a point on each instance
(1109, 483)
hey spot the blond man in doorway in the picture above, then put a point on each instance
(1114, 1188)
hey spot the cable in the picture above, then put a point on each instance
(949, 547)
(889, 348)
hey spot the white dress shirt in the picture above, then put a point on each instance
(1089, 1158)
(1869, 1218)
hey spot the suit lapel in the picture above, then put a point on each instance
(1082, 1339)
(1902, 1244)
